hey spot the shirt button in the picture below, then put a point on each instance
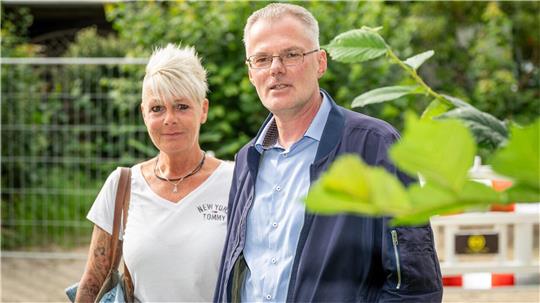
(273, 260)
(268, 297)
(274, 225)
(278, 188)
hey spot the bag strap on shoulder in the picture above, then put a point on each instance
(128, 283)
(121, 207)
(122, 198)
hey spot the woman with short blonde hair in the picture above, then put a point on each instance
(178, 209)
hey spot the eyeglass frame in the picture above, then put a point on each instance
(248, 60)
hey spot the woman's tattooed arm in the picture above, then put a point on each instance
(97, 266)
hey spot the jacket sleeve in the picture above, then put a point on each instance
(220, 290)
(409, 260)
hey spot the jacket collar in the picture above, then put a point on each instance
(332, 130)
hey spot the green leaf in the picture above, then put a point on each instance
(352, 186)
(383, 94)
(522, 193)
(434, 109)
(429, 196)
(342, 188)
(441, 151)
(387, 192)
(347, 175)
(372, 29)
(487, 129)
(423, 217)
(520, 159)
(478, 194)
(456, 101)
(357, 45)
(416, 61)
(323, 201)
(432, 199)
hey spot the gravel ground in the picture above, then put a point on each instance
(44, 280)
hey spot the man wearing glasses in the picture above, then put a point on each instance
(275, 251)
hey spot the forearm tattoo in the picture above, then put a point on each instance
(96, 268)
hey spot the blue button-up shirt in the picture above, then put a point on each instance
(277, 216)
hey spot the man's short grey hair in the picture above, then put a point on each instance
(275, 11)
(174, 71)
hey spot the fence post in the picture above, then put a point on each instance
(523, 246)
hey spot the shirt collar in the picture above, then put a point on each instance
(270, 134)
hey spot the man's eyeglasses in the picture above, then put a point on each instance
(287, 58)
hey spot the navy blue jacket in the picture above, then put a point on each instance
(341, 258)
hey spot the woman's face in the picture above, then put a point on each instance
(174, 125)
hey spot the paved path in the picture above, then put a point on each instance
(44, 280)
(31, 280)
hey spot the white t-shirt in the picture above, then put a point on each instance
(172, 250)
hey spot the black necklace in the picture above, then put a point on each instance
(161, 176)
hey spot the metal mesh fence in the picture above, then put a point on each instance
(66, 124)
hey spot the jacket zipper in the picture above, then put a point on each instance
(396, 254)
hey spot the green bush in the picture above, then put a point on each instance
(33, 217)
(486, 50)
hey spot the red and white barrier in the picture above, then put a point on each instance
(479, 280)
(495, 268)
(500, 270)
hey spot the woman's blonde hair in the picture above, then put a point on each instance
(174, 71)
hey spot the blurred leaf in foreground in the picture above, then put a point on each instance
(520, 158)
(352, 186)
(441, 151)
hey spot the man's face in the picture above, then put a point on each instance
(285, 90)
